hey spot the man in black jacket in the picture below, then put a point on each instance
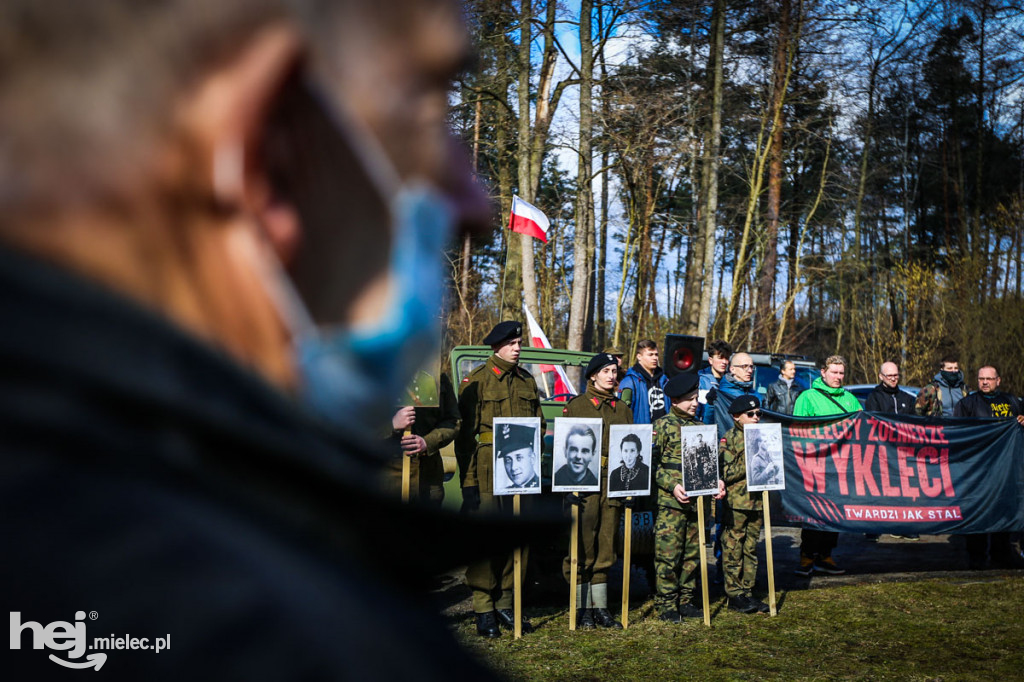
(887, 396)
(988, 402)
(781, 395)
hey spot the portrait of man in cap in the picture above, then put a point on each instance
(516, 460)
(764, 457)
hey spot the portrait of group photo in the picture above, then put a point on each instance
(763, 453)
(517, 456)
(629, 460)
(576, 459)
(699, 446)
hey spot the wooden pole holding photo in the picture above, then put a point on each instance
(406, 470)
(517, 580)
(573, 564)
(703, 561)
(768, 552)
(627, 551)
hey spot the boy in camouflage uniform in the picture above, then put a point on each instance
(742, 517)
(676, 532)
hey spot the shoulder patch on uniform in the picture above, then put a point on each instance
(466, 380)
(565, 410)
(722, 441)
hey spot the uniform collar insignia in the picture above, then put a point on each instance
(596, 401)
(497, 370)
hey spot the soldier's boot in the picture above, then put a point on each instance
(741, 604)
(761, 606)
(507, 619)
(602, 617)
(487, 625)
(584, 619)
(688, 610)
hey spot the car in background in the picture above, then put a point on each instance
(862, 391)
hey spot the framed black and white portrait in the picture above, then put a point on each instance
(516, 456)
(629, 460)
(763, 456)
(577, 455)
(699, 445)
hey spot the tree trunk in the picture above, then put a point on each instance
(584, 198)
(764, 317)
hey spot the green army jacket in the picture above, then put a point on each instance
(438, 426)
(734, 471)
(611, 410)
(495, 389)
(668, 457)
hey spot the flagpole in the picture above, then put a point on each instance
(504, 273)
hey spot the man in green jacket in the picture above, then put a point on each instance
(826, 397)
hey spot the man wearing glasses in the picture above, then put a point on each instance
(739, 381)
(989, 401)
(889, 399)
(826, 397)
(887, 396)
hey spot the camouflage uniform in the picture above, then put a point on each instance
(676, 532)
(438, 426)
(742, 519)
(495, 389)
(598, 516)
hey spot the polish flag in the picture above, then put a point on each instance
(529, 220)
(562, 386)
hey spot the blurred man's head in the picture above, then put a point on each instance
(889, 374)
(580, 444)
(175, 153)
(788, 370)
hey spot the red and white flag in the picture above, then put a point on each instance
(529, 220)
(561, 386)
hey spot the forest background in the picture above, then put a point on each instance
(800, 176)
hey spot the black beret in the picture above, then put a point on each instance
(680, 385)
(744, 402)
(599, 362)
(512, 437)
(503, 331)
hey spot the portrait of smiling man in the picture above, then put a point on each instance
(580, 447)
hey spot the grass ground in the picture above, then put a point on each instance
(959, 627)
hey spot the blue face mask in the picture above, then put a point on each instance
(354, 377)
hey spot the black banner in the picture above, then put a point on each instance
(880, 473)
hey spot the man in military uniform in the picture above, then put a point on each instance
(742, 518)
(676, 533)
(498, 388)
(431, 429)
(598, 515)
(514, 445)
